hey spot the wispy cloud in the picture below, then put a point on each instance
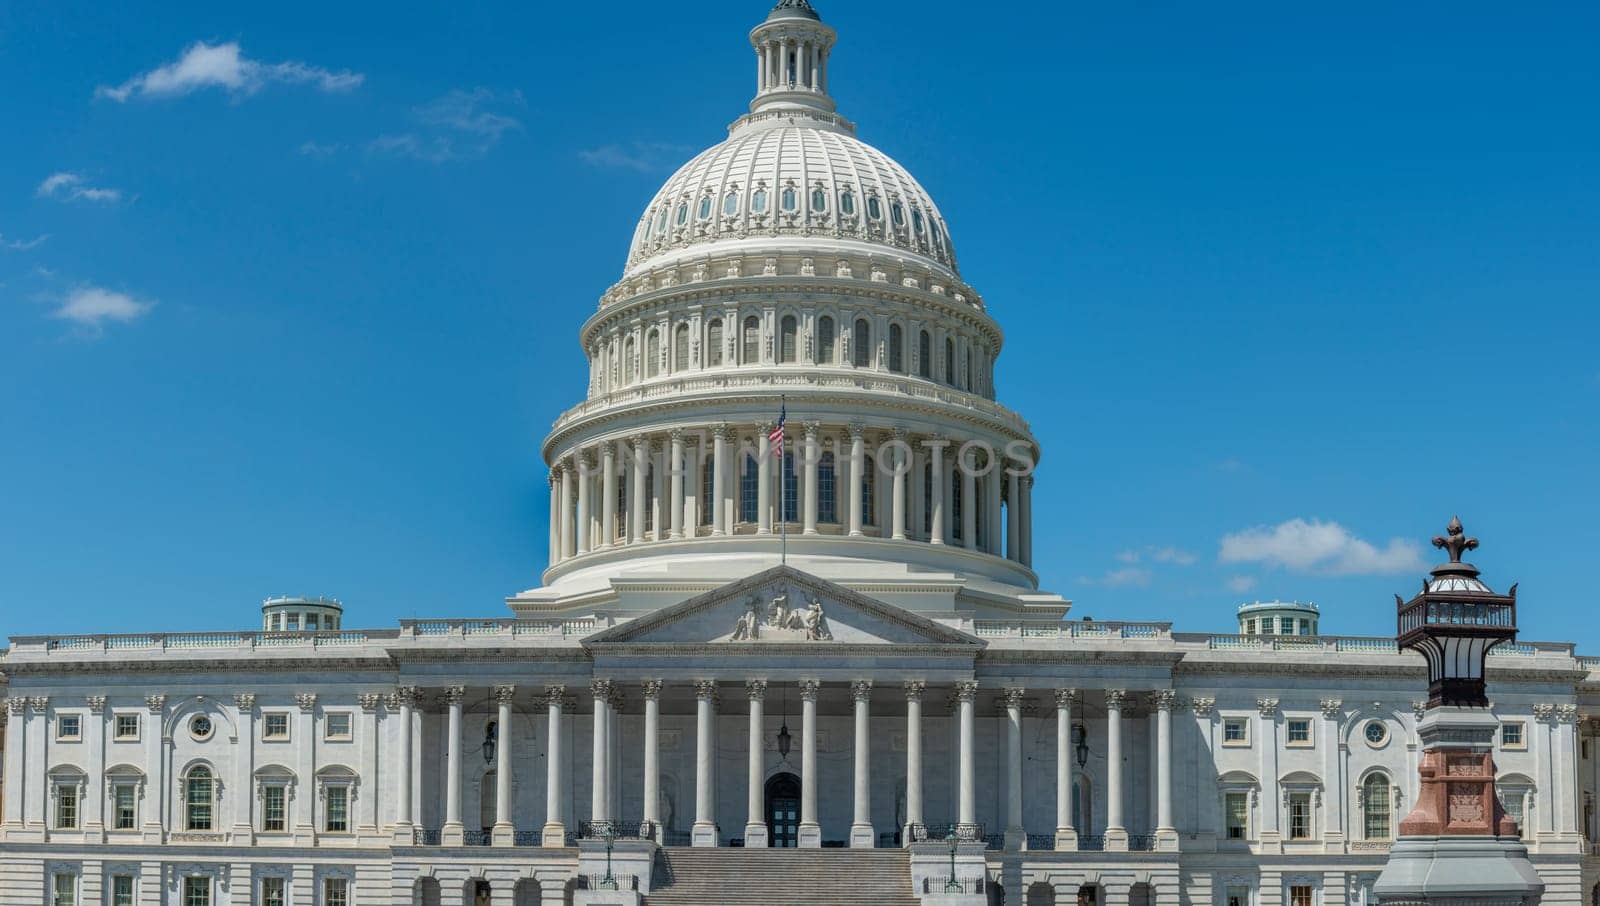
(91, 308)
(21, 245)
(68, 186)
(1242, 584)
(1314, 546)
(1154, 554)
(320, 149)
(224, 66)
(461, 125)
(644, 157)
(1125, 577)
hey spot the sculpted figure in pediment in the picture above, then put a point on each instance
(749, 625)
(816, 623)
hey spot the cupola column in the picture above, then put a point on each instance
(816, 65)
(567, 539)
(936, 501)
(641, 460)
(813, 456)
(761, 69)
(585, 480)
(1027, 521)
(1013, 518)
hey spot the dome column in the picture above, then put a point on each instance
(1013, 518)
(813, 456)
(641, 459)
(901, 466)
(567, 540)
(719, 480)
(763, 480)
(991, 505)
(969, 503)
(613, 454)
(1027, 521)
(858, 467)
(675, 498)
(555, 520)
(936, 520)
(585, 481)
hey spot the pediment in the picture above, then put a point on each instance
(781, 606)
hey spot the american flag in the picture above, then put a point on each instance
(775, 437)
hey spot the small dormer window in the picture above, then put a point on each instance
(730, 204)
(791, 200)
(847, 203)
(683, 213)
(898, 212)
(916, 220)
(661, 222)
(704, 212)
(758, 201)
(819, 200)
(874, 208)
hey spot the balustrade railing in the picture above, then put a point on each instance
(940, 833)
(476, 838)
(1041, 841)
(496, 628)
(425, 837)
(208, 641)
(608, 882)
(527, 838)
(1068, 629)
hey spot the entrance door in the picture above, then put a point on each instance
(783, 811)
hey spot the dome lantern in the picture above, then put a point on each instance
(792, 48)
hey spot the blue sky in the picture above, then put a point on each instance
(289, 293)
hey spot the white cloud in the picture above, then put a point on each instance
(21, 245)
(69, 186)
(91, 308)
(319, 149)
(223, 66)
(644, 157)
(1242, 584)
(1318, 547)
(1174, 555)
(456, 126)
(1127, 576)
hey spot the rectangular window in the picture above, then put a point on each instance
(1236, 731)
(1299, 733)
(336, 726)
(274, 813)
(335, 892)
(66, 807)
(1512, 735)
(69, 727)
(275, 726)
(338, 809)
(1249, 627)
(66, 891)
(196, 892)
(127, 728)
(293, 623)
(272, 892)
(311, 622)
(1299, 816)
(1268, 625)
(1511, 802)
(1300, 895)
(125, 800)
(1237, 807)
(122, 890)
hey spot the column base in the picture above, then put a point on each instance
(1270, 843)
(554, 836)
(403, 835)
(1116, 839)
(862, 836)
(503, 835)
(1016, 839)
(755, 836)
(1166, 840)
(703, 835)
(453, 835)
(810, 836)
(1066, 840)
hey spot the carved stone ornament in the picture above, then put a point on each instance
(755, 690)
(1543, 712)
(245, 702)
(1567, 713)
(914, 690)
(651, 689)
(1066, 698)
(155, 703)
(1418, 709)
(1012, 697)
(1116, 698)
(452, 694)
(966, 691)
(97, 704)
(369, 701)
(1332, 707)
(1165, 700)
(861, 690)
(705, 689)
(16, 706)
(600, 689)
(555, 696)
(307, 701)
(504, 695)
(1204, 706)
(1267, 706)
(809, 689)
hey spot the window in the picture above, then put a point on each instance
(749, 485)
(1236, 731)
(293, 623)
(897, 352)
(335, 892)
(714, 342)
(200, 727)
(1511, 801)
(1375, 806)
(752, 340)
(336, 815)
(1512, 735)
(652, 353)
(69, 727)
(862, 343)
(704, 211)
(122, 890)
(127, 727)
(898, 212)
(925, 356)
(1299, 816)
(916, 220)
(950, 361)
(791, 490)
(1300, 895)
(874, 207)
(124, 806)
(791, 200)
(275, 726)
(1236, 808)
(311, 622)
(847, 203)
(869, 483)
(1250, 626)
(196, 892)
(786, 339)
(1376, 733)
(274, 808)
(661, 222)
(1299, 731)
(197, 799)
(65, 891)
(680, 348)
(336, 725)
(825, 340)
(758, 201)
(272, 893)
(827, 494)
(819, 200)
(955, 504)
(730, 204)
(1268, 626)
(708, 477)
(67, 806)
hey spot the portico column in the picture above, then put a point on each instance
(555, 826)
(652, 758)
(755, 824)
(763, 480)
(1166, 834)
(16, 739)
(585, 493)
(719, 476)
(1116, 833)
(675, 498)
(897, 512)
(810, 830)
(608, 491)
(1066, 834)
(1014, 519)
(1015, 836)
(967, 810)
(861, 833)
(453, 831)
(936, 534)
(969, 502)
(505, 830)
(705, 822)
(914, 690)
(155, 766)
(244, 704)
(403, 699)
(600, 769)
(813, 457)
(641, 464)
(858, 468)
(568, 538)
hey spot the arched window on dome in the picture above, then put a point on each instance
(949, 361)
(758, 201)
(927, 496)
(847, 203)
(661, 221)
(874, 207)
(1375, 807)
(790, 200)
(652, 353)
(752, 340)
(749, 488)
(916, 220)
(869, 487)
(819, 201)
(680, 348)
(897, 349)
(861, 341)
(704, 211)
(827, 493)
(683, 213)
(898, 212)
(714, 343)
(825, 340)
(707, 485)
(955, 504)
(630, 361)
(730, 204)
(787, 329)
(925, 355)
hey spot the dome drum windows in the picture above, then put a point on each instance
(819, 200)
(787, 332)
(861, 344)
(758, 202)
(897, 349)
(682, 217)
(790, 200)
(825, 340)
(752, 341)
(730, 204)
(714, 343)
(703, 211)
(847, 204)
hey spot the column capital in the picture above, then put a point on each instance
(368, 700)
(244, 701)
(1164, 700)
(1066, 698)
(705, 690)
(809, 689)
(1332, 708)
(155, 703)
(858, 431)
(936, 441)
(404, 695)
(812, 428)
(307, 701)
(97, 704)
(1267, 706)
(1116, 698)
(967, 691)
(600, 689)
(755, 690)
(914, 690)
(16, 706)
(1013, 696)
(619, 697)
(861, 690)
(651, 689)
(504, 695)
(676, 435)
(41, 703)
(1203, 706)
(555, 696)
(452, 694)
(1567, 713)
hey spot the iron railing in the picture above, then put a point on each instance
(953, 885)
(1091, 843)
(1041, 841)
(603, 882)
(527, 838)
(424, 837)
(476, 838)
(1141, 843)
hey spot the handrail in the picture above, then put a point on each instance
(1068, 629)
(203, 641)
(500, 627)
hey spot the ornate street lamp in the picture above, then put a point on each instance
(1455, 622)
(491, 740)
(785, 741)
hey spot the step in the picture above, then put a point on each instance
(781, 877)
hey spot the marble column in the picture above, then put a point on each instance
(719, 480)
(705, 820)
(1027, 521)
(585, 496)
(608, 490)
(454, 832)
(403, 699)
(858, 468)
(969, 502)
(967, 806)
(1116, 833)
(15, 770)
(614, 709)
(914, 690)
(991, 507)
(810, 832)
(1014, 518)
(675, 468)
(555, 518)
(641, 470)
(568, 538)
(652, 758)
(755, 826)
(1016, 837)
(936, 528)
(94, 794)
(599, 760)
(369, 702)
(902, 468)
(812, 460)
(1066, 834)
(861, 832)
(555, 825)
(763, 480)
(1165, 700)
(505, 830)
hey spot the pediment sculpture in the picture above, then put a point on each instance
(782, 622)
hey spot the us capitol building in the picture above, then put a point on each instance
(828, 676)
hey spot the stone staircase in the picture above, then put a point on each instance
(782, 877)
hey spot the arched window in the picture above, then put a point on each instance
(898, 212)
(847, 203)
(786, 339)
(749, 487)
(862, 342)
(652, 353)
(758, 201)
(874, 207)
(869, 485)
(1376, 805)
(819, 200)
(791, 488)
(825, 340)
(955, 504)
(827, 495)
(897, 349)
(707, 497)
(752, 340)
(714, 342)
(949, 361)
(661, 222)
(199, 797)
(790, 199)
(730, 204)
(630, 362)
(680, 348)
(925, 355)
(916, 220)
